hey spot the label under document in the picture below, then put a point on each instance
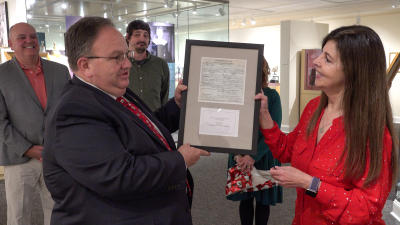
(219, 122)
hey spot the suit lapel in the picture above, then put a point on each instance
(131, 97)
(26, 83)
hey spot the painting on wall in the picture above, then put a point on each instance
(162, 41)
(310, 73)
(3, 24)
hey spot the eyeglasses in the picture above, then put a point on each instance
(119, 58)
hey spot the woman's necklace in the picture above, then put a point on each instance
(326, 122)
(323, 126)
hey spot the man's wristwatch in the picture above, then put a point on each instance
(313, 189)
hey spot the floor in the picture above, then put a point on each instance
(210, 206)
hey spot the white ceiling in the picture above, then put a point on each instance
(264, 12)
(274, 11)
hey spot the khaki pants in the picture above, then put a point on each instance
(21, 182)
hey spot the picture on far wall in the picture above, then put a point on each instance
(310, 73)
(162, 41)
(3, 24)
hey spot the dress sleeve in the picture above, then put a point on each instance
(281, 144)
(358, 205)
(275, 109)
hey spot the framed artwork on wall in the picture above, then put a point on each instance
(392, 57)
(310, 73)
(3, 24)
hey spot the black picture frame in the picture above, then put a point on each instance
(4, 24)
(245, 142)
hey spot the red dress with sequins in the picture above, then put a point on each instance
(336, 202)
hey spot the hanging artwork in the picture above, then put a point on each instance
(162, 41)
(310, 73)
(3, 24)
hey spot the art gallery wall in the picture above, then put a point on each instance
(268, 36)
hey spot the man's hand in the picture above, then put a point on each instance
(178, 93)
(191, 155)
(35, 152)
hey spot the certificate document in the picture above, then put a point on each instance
(219, 122)
(222, 80)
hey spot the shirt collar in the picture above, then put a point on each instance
(37, 68)
(112, 96)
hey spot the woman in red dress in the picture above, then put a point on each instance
(342, 154)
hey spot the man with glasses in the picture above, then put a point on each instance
(107, 159)
(149, 74)
(29, 88)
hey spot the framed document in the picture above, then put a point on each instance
(218, 112)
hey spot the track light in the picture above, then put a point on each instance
(253, 21)
(221, 11)
(396, 4)
(243, 23)
(194, 12)
(168, 4)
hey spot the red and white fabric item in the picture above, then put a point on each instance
(239, 181)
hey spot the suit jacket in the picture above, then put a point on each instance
(21, 114)
(103, 165)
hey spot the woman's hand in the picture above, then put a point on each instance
(265, 118)
(288, 176)
(245, 162)
(178, 93)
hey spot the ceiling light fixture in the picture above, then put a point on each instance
(29, 3)
(64, 5)
(221, 11)
(396, 4)
(168, 4)
(194, 12)
(252, 21)
(81, 10)
(243, 23)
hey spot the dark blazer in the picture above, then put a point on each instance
(103, 165)
(21, 114)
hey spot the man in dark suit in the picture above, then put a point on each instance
(29, 88)
(107, 159)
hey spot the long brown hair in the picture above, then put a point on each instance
(265, 73)
(366, 105)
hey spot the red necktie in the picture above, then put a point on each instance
(135, 110)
